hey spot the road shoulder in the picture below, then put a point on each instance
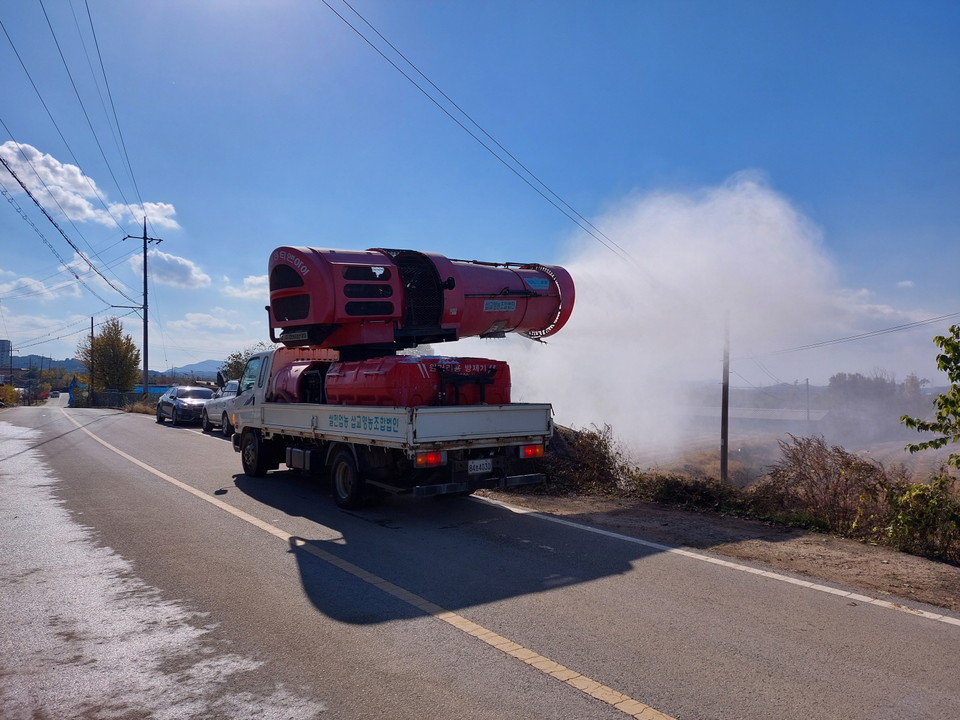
(878, 571)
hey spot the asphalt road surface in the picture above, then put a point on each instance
(142, 575)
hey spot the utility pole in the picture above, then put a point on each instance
(146, 376)
(725, 404)
(91, 361)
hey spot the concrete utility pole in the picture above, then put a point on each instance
(91, 363)
(146, 376)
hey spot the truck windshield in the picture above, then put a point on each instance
(250, 374)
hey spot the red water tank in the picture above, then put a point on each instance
(402, 381)
(374, 302)
(297, 374)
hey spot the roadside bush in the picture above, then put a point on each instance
(691, 492)
(923, 519)
(144, 407)
(812, 485)
(590, 462)
(585, 461)
(821, 487)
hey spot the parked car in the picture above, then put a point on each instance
(183, 403)
(219, 408)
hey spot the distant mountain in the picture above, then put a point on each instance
(203, 370)
(37, 361)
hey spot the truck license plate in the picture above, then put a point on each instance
(484, 465)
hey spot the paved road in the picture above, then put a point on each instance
(142, 575)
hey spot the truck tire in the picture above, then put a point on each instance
(253, 454)
(226, 426)
(205, 423)
(348, 486)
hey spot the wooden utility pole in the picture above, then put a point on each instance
(725, 404)
(146, 336)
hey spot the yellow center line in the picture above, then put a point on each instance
(597, 690)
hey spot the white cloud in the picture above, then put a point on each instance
(68, 286)
(172, 270)
(159, 214)
(206, 322)
(27, 287)
(255, 287)
(905, 284)
(63, 189)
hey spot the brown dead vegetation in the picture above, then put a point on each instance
(810, 485)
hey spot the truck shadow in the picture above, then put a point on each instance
(456, 553)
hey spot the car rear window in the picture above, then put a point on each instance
(196, 393)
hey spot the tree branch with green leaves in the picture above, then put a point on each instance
(946, 417)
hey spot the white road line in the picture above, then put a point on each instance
(620, 701)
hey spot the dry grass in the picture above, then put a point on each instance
(809, 484)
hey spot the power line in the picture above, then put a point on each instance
(16, 206)
(82, 106)
(66, 283)
(29, 344)
(73, 155)
(485, 133)
(113, 106)
(545, 193)
(863, 336)
(60, 230)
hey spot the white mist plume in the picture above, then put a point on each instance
(644, 328)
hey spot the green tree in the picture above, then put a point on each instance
(946, 416)
(232, 367)
(114, 357)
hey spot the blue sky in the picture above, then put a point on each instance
(793, 164)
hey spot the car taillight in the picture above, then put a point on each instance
(431, 459)
(531, 451)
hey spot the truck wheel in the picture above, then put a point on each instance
(205, 423)
(348, 490)
(226, 426)
(253, 454)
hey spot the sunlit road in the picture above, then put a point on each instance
(143, 576)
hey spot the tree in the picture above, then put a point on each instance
(9, 395)
(232, 367)
(946, 417)
(114, 358)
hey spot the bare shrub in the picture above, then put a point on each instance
(144, 407)
(585, 461)
(690, 492)
(813, 485)
(590, 462)
(818, 486)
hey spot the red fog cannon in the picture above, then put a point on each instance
(372, 303)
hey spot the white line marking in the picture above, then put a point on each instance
(614, 698)
(726, 563)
